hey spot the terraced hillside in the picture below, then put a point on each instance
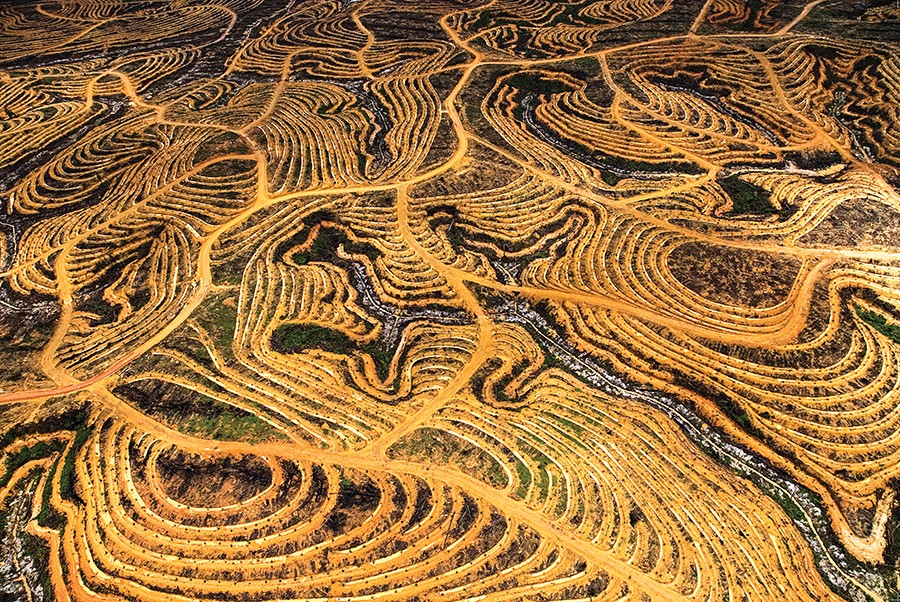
(449, 300)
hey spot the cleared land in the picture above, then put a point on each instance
(474, 300)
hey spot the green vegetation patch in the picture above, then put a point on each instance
(324, 248)
(69, 420)
(228, 426)
(47, 516)
(499, 387)
(524, 479)
(440, 447)
(879, 323)
(297, 337)
(67, 472)
(609, 178)
(750, 199)
(543, 482)
(17, 459)
(294, 338)
(731, 407)
(218, 319)
(194, 413)
(542, 473)
(746, 197)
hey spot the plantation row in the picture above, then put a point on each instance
(265, 256)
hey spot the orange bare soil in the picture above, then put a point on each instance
(451, 300)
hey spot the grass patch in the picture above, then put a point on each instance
(443, 448)
(194, 413)
(297, 337)
(543, 476)
(524, 479)
(219, 320)
(575, 428)
(228, 427)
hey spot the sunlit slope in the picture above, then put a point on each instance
(508, 300)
